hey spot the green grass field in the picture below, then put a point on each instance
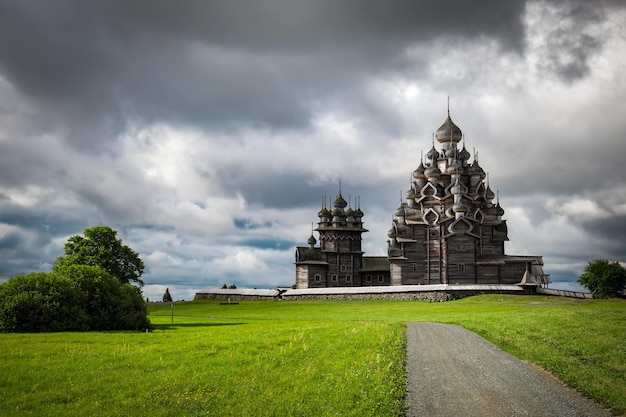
(297, 358)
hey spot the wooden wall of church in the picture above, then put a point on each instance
(460, 254)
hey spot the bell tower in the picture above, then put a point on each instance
(340, 242)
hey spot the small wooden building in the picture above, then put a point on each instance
(339, 260)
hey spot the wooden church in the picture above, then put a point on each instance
(448, 230)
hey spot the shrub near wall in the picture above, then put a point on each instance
(41, 302)
(75, 298)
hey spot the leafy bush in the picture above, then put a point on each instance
(108, 304)
(132, 313)
(41, 302)
(75, 298)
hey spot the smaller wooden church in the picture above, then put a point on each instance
(339, 260)
(448, 230)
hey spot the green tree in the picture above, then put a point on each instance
(100, 247)
(604, 279)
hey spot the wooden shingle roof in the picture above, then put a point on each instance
(375, 264)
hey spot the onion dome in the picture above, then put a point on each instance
(475, 169)
(458, 188)
(433, 154)
(311, 240)
(454, 168)
(459, 207)
(499, 210)
(358, 213)
(324, 213)
(448, 132)
(391, 233)
(350, 214)
(419, 172)
(400, 211)
(464, 155)
(339, 202)
(432, 171)
(489, 195)
(338, 212)
(409, 194)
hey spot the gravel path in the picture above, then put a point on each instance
(454, 372)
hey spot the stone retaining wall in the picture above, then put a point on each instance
(404, 296)
(433, 296)
(234, 297)
(430, 296)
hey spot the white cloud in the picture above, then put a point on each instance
(578, 209)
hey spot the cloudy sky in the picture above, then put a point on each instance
(206, 132)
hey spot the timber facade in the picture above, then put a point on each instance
(447, 230)
(339, 260)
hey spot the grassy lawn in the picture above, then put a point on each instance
(291, 358)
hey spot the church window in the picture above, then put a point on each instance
(318, 277)
(381, 278)
(333, 277)
(349, 278)
(368, 278)
(343, 268)
(461, 267)
(413, 267)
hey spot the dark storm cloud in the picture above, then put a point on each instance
(27, 235)
(569, 45)
(25, 249)
(269, 243)
(10, 241)
(281, 25)
(610, 234)
(95, 66)
(274, 189)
